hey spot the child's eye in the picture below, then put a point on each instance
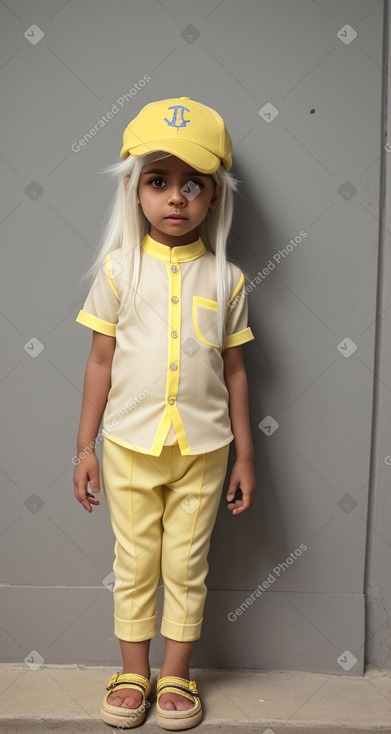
(157, 179)
(157, 182)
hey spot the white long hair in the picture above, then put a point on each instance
(126, 226)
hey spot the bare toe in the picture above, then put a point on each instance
(174, 701)
(166, 703)
(125, 698)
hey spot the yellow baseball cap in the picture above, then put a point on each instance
(185, 128)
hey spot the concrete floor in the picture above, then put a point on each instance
(67, 699)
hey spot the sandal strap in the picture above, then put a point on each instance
(173, 683)
(129, 680)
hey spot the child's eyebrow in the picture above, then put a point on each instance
(162, 172)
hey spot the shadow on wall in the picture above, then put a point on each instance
(245, 549)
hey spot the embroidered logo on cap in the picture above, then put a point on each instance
(175, 114)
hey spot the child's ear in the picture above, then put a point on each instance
(216, 197)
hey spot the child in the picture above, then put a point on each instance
(169, 316)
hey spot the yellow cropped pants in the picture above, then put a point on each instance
(162, 511)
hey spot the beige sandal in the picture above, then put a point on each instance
(178, 720)
(125, 718)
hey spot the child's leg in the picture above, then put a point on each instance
(132, 485)
(192, 499)
(135, 656)
(177, 658)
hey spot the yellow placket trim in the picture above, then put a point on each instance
(173, 256)
(174, 355)
(171, 413)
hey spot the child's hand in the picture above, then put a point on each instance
(87, 471)
(242, 475)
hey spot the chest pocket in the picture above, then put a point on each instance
(205, 320)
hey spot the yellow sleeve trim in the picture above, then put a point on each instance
(96, 324)
(109, 271)
(238, 287)
(241, 337)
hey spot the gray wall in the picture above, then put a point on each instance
(319, 368)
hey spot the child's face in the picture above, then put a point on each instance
(170, 186)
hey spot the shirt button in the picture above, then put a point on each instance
(175, 299)
(173, 366)
(174, 268)
(171, 401)
(174, 334)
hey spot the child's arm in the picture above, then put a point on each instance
(97, 382)
(242, 473)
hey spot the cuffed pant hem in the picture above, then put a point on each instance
(180, 632)
(135, 630)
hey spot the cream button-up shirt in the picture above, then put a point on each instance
(167, 377)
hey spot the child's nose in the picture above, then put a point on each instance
(176, 194)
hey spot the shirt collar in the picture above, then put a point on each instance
(181, 253)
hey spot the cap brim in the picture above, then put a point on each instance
(199, 158)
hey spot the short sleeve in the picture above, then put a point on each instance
(100, 310)
(237, 331)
